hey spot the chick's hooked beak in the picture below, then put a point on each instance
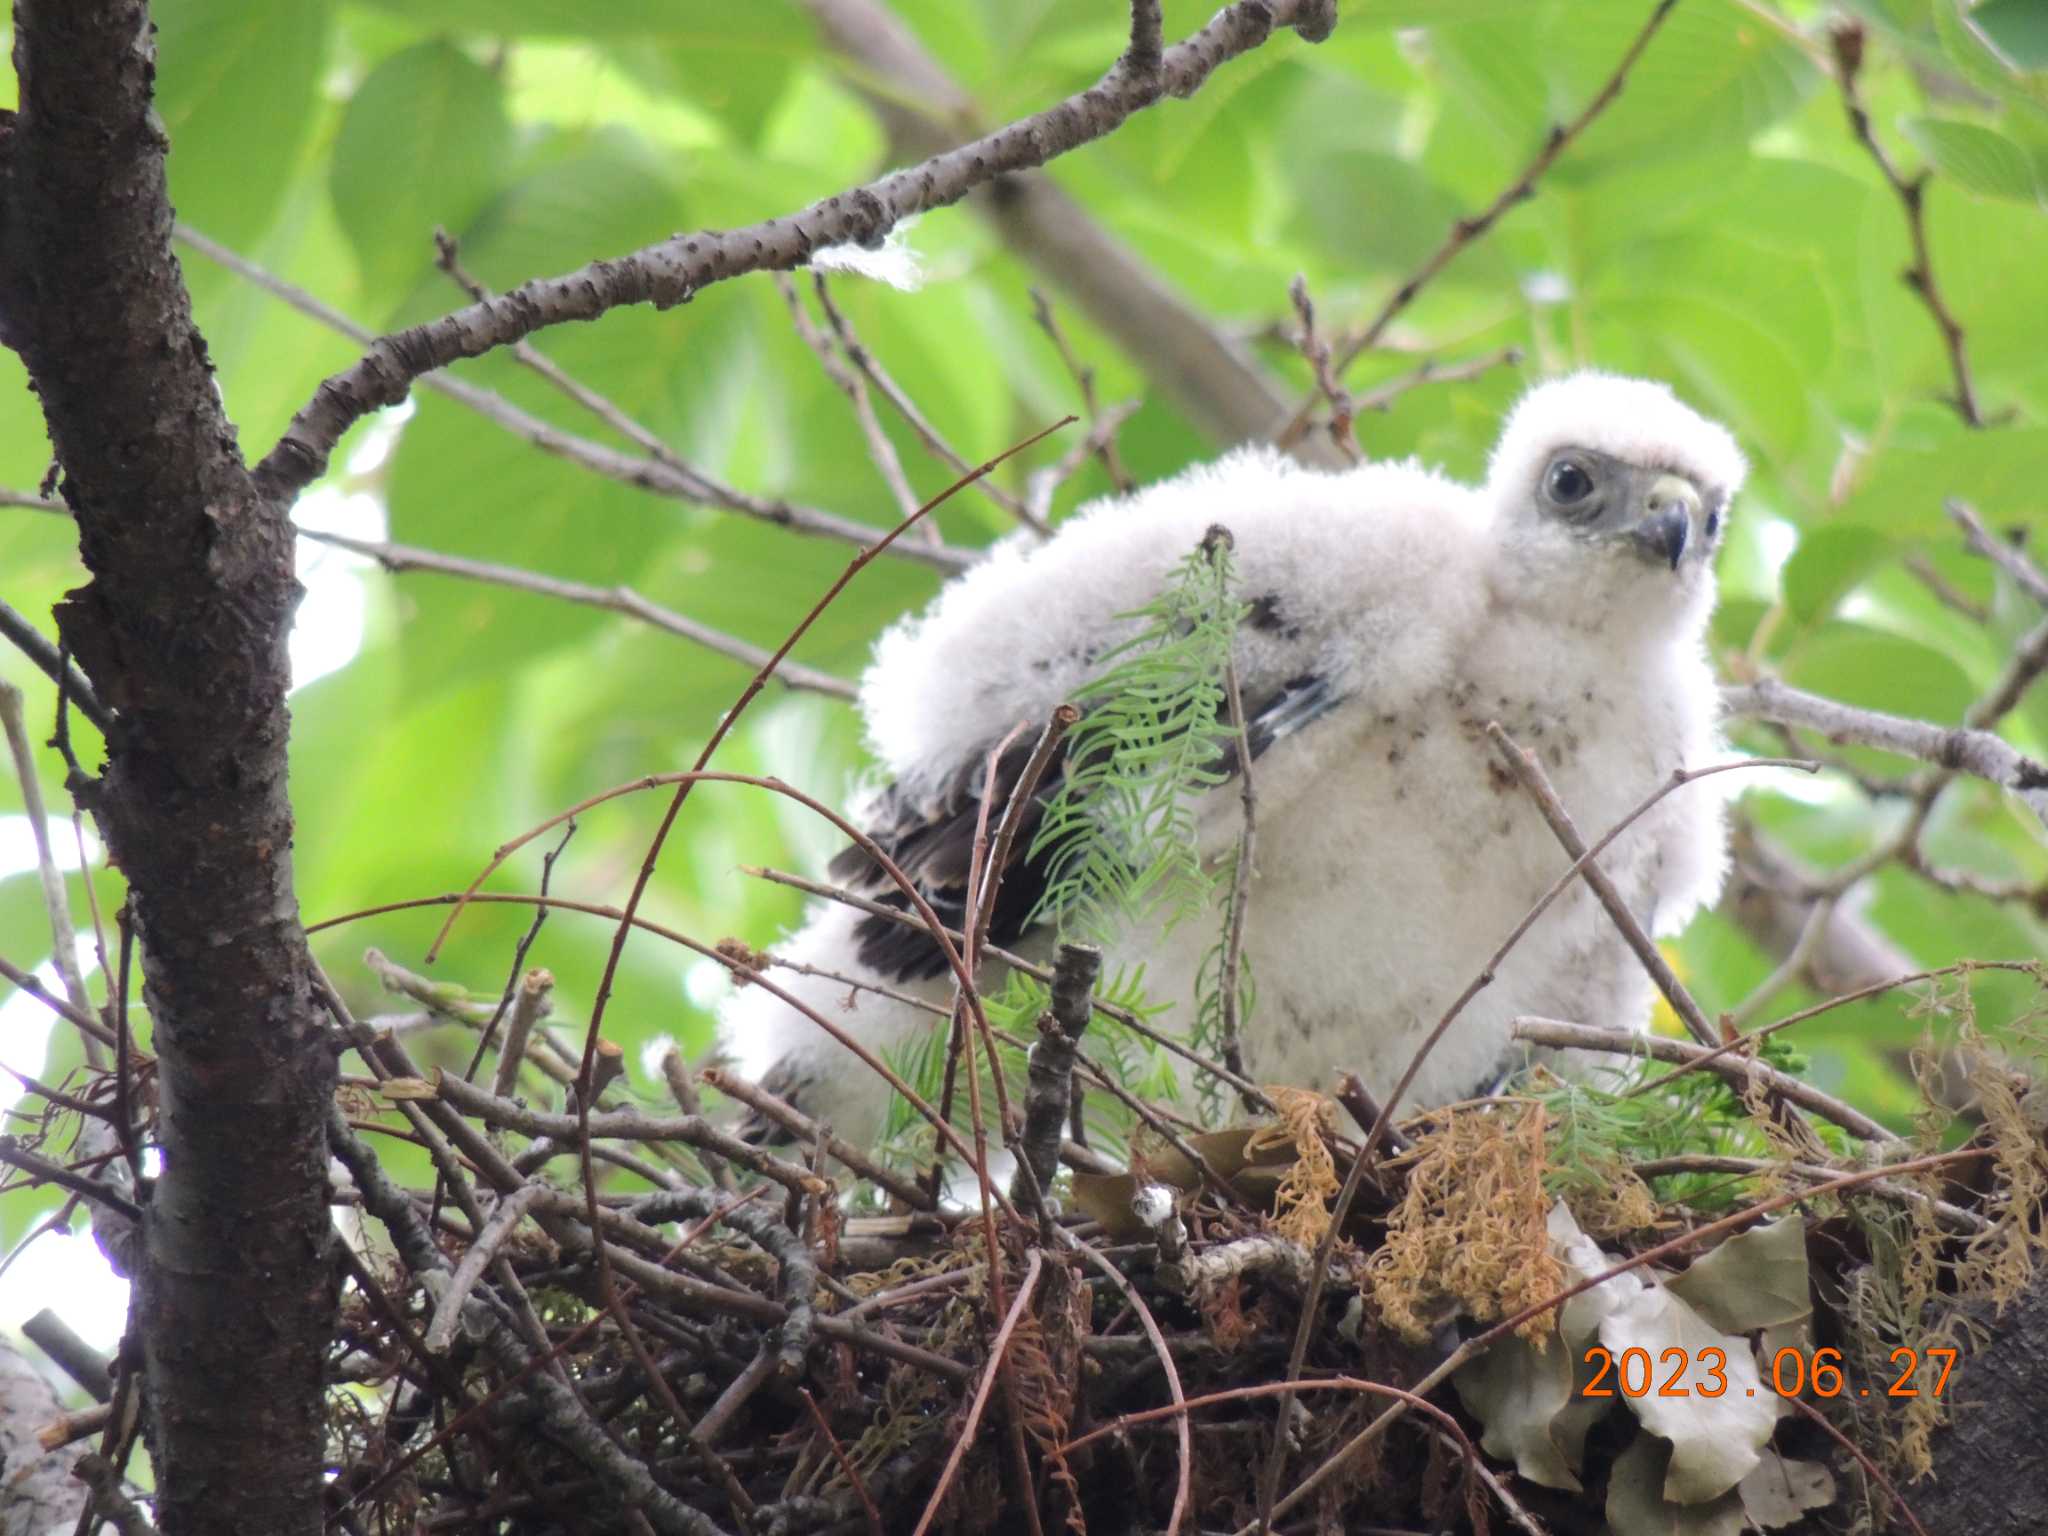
(1666, 523)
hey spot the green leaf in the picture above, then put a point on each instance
(424, 143)
(1861, 665)
(1976, 157)
(1828, 564)
(2016, 28)
(238, 87)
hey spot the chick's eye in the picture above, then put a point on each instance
(1713, 523)
(1568, 482)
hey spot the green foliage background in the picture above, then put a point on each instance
(1718, 227)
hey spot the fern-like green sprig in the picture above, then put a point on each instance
(1120, 832)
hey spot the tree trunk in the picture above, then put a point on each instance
(182, 632)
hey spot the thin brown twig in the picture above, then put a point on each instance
(1953, 1216)
(879, 379)
(1084, 380)
(2007, 556)
(1846, 38)
(805, 1129)
(1230, 1044)
(989, 1375)
(1343, 411)
(1749, 1041)
(1463, 232)
(1433, 370)
(1863, 1459)
(400, 558)
(1525, 767)
(1183, 1477)
(847, 1469)
(853, 384)
(661, 473)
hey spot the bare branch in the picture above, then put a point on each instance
(56, 898)
(870, 368)
(1205, 372)
(1976, 752)
(399, 558)
(1735, 1068)
(57, 667)
(805, 1129)
(2006, 555)
(1317, 352)
(852, 383)
(678, 269)
(662, 473)
(1466, 230)
(1846, 36)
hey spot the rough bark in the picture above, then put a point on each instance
(182, 631)
(1991, 1478)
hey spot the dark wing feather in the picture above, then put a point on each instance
(932, 840)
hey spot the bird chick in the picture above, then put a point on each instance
(1392, 613)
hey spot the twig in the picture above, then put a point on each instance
(529, 1006)
(109, 1499)
(400, 558)
(1749, 1167)
(55, 666)
(662, 474)
(1434, 371)
(1101, 444)
(847, 1469)
(1747, 1042)
(2005, 555)
(1465, 231)
(966, 1001)
(1228, 982)
(620, 1125)
(798, 1266)
(1049, 1088)
(1846, 37)
(1526, 768)
(1946, 592)
(964, 1437)
(852, 383)
(1343, 411)
(1789, 970)
(56, 899)
(1737, 1069)
(43, 1171)
(76, 1358)
(679, 268)
(870, 368)
(483, 1251)
(676, 1073)
(84, 1023)
(805, 1129)
(1184, 1474)
(1041, 485)
(1865, 1460)
(1978, 752)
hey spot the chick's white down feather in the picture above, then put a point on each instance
(1394, 853)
